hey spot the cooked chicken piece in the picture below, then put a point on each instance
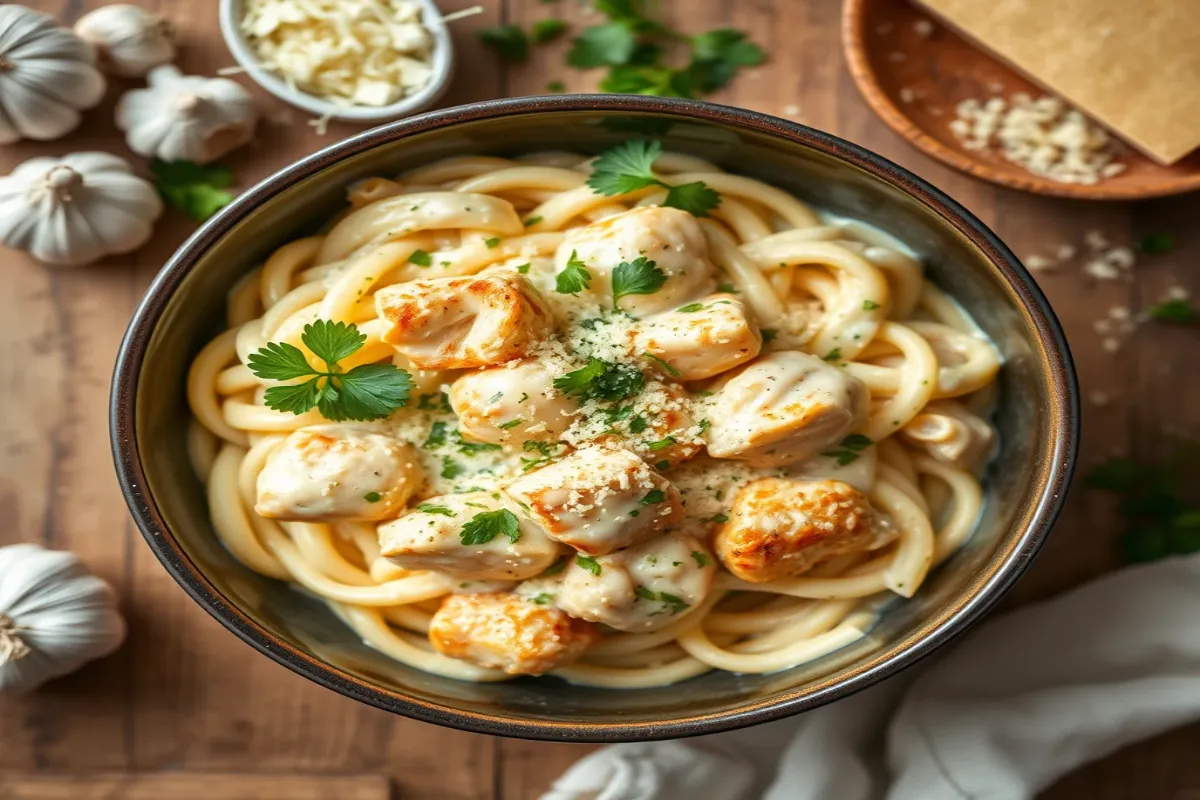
(641, 588)
(337, 472)
(508, 632)
(459, 323)
(516, 402)
(598, 499)
(665, 432)
(670, 238)
(780, 528)
(950, 433)
(703, 338)
(783, 408)
(472, 536)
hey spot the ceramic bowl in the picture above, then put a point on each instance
(1037, 415)
(230, 13)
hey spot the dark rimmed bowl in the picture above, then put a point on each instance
(1038, 414)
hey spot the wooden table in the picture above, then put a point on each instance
(183, 694)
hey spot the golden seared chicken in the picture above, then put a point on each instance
(662, 429)
(670, 238)
(515, 402)
(641, 588)
(780, 528)
(782, 408)
(337, 472)
(472, 536)
(459, 323)
(508, 632)
(598, 499)
(703, 338)
(950, 433)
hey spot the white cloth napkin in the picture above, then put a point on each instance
(1027, 697)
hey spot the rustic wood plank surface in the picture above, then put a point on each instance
(183, 694)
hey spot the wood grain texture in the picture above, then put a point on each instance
(183, 694)
(193, 786)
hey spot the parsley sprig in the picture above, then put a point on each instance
(630, 166)
(640, 276)
(366, 392)
(574, 278)
(487, 525)
(199, 191)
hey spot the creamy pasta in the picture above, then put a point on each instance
(640, 444)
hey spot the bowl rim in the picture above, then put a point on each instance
(1062, 401)
(441, 67)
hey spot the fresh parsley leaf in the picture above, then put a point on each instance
(589, 563)
(832, 355)
(198, 191)
(367, 392)
(1155, 243)
(870, 305)
(509, 41)
(372, 497)
(718, 54)
(625, 168)
(727, 288)
(554, 569)
(667, 368)
(541, 598)
(1175, 312)
(430, 508)
(487, 525)
(640, 276)
(849, 449)
(574, 278)
(691, 308)
(857, 442)
(531, 221)
(280, 361)
(435, 401)
(768, 335)
(491, 242)
(701, 559)
(661, 444)
(475, 448)
(512, 423)
(451, 469)
(544, 30)
(420, 258)
(523, 268)
(695, 198)
(638, 424)
(673, 603)
(610, 44)
(718, 517)
(662, 465)
(653, 497)
(601, 380)
(332, 341)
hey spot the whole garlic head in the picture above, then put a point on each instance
(74, 210)
(181, 117)
(129, 40)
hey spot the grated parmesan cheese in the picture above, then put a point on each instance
(350, 52)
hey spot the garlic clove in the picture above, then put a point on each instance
(129, 40)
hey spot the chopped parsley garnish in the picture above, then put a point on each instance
(496, 398)
(727, 288)
(430, 508)
(541, 598)
(589, 563)
(436, 401)
(701, 559)
(492, 242)
(574, 278)
(718, 517)
(372, 497)
(640, 276)
(638, 424)
(601, 380)
(1175, 312)
(366, 392)
(667, 368)
(870, 305)
(512, 423)
(554, 569)
(653, 497)
(509, 41)
(673, 604)
(691, 307)
(768, 334)
(436, 437)
(475, 448)
(544, 30)
(198, 190)
(553, 87)
(630, 166)
(523, 268)
(849, 449)
(833, 355)
(1155, 243)
(450, 468)
(661, 465)
(530, 222)
(420, 258)
(1159, 522)
(661, 444)
(487, 525)
(547, 451)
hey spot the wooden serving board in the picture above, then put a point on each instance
(192, 786)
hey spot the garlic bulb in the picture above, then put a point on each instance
(54, 616)
(76, 209)
(186, 117)
(47, 75)
(128, 39)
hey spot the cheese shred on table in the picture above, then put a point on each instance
(350, 52)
